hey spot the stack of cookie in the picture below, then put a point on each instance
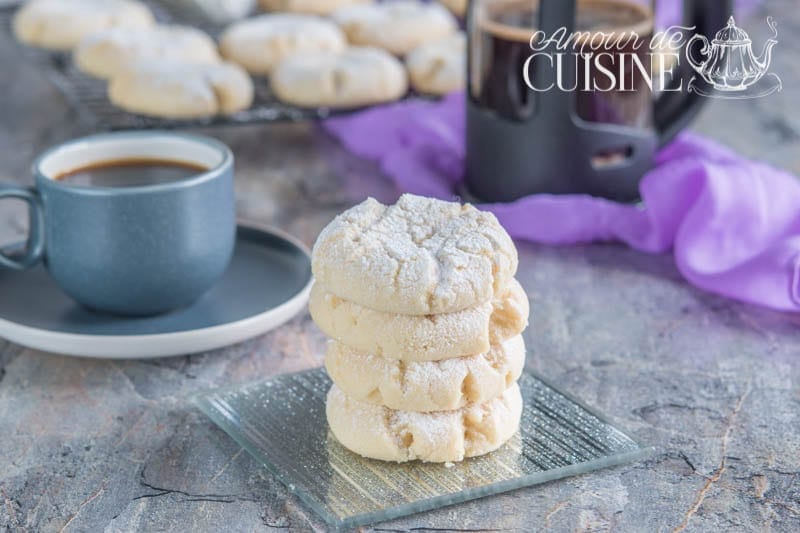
(425, 317)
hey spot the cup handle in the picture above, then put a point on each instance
(35, 247)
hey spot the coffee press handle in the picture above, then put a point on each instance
(35, 247)
(675, 109)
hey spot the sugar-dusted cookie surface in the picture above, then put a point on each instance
(313, 7)
(439, 67)
(181, 90)
(103, 54)
(259, 43)
(420, 256)
(398, 26)
(61, 24)
(426, 386)
(357, 76)
(381, 433)
(419, 337)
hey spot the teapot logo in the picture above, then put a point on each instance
(728, 66)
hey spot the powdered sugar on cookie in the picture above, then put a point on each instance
(105, 53)
(420, 256)
(181, 90)
(60, 25)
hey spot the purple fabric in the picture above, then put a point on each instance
(670, 12)
(732, 224)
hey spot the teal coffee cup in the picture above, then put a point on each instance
(131, 223)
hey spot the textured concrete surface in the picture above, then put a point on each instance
(714, 385)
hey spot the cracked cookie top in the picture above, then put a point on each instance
(420, 256)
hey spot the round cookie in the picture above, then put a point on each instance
(181, 90)
(426, 386)
(311, 7)
(61, 24)
(421, 338)
(381, 433)
(456, 7)
(398, 26)
(105, 53)
(420, 256)
(258, 44)
(356, 77)
(439, 67)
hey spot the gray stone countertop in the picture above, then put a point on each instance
(714, 385)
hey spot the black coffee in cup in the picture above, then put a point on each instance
(131, 173)
(502, 45)
(131, 223)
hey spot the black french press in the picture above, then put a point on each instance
(542, 118)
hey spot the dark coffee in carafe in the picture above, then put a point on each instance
(502, 46)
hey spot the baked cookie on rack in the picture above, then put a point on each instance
(62, 24)
(313, 7)
(439, 67)
(398, 26)
(105, 53)
(379, 432)
(355, 77)
(181, 90)
(258, 44)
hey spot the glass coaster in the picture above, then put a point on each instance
(281, 422)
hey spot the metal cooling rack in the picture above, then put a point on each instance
(88, 95)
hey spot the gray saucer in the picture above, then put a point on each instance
(266, 284)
